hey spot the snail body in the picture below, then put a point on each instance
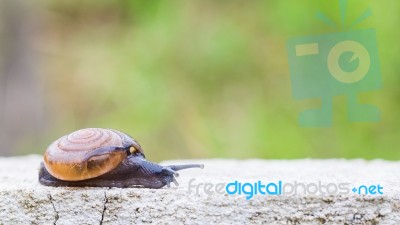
(97, 157)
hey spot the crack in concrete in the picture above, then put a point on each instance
(56, 217)
(104, 207)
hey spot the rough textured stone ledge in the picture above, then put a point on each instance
(24, 201)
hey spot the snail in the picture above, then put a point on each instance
(97, 157)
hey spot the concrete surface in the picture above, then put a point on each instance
(24, 201)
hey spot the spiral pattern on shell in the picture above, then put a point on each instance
(65, 158)
(89, 139)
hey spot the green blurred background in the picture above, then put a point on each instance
(188, 79)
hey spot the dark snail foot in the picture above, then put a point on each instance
(134, 171)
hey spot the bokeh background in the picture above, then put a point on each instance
(188, 79)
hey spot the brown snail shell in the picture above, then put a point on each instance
(68, 158)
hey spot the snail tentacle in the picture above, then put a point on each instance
(175, 182)
(187, 166)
